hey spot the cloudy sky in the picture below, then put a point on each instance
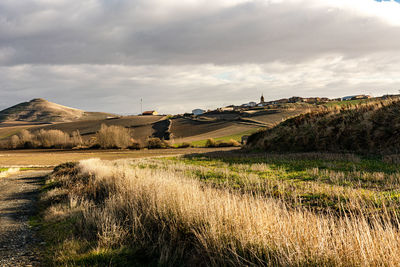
(104, 55)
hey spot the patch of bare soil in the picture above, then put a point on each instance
(18, 241)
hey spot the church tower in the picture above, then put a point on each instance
(262, 98)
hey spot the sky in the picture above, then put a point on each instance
(106, 55)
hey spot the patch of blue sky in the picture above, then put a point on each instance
(397, 1)
(227, 76)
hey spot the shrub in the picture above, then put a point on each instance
(230, 143)
(53, 139)
(184, 145)
(76, 138)
(15, 142)
(211, 143)
(95, 146)
(134, 145)
(27, 139)
(114, 137)
(45, 139)
(155, 142)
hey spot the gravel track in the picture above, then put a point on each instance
(19, 245)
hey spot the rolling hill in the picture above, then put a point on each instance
(41, 114)
(41, 110)
(367, 128)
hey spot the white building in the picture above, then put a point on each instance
(198, 111)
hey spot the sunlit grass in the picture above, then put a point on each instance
(226, 209)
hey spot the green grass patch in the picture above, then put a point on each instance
(319, 184)
(236, 137)
(366, 164)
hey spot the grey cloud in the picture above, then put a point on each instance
(136, 33)
(180, 88)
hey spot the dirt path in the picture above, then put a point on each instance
(18, 195)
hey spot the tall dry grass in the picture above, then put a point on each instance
(181, 221)
(366, 128)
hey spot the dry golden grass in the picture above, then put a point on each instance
(176, 219)
(365, 128)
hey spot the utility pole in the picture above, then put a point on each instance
(141, 106)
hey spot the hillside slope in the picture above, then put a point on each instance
(369, 128)
(41, 110)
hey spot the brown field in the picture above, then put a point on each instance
(141, 125)
(181, 129)
(215, 126)
(10, 128)
(53, 157)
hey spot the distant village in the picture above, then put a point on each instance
(294, 99)
(270, 104)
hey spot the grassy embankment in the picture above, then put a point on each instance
(225, 209)
(371, 128)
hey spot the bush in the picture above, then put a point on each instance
(53, 139)
(156, 143)
(114, 137)
(15, 142)
(184, 145)
(45, 139)
(134, 145)
(230, 143)
(211, 143)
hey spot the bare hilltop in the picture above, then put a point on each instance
(41, 110)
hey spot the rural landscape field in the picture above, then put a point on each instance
(199, 133)
(295, 192)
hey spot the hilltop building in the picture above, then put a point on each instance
(356, 97)
(198, 111)
(150, 112)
